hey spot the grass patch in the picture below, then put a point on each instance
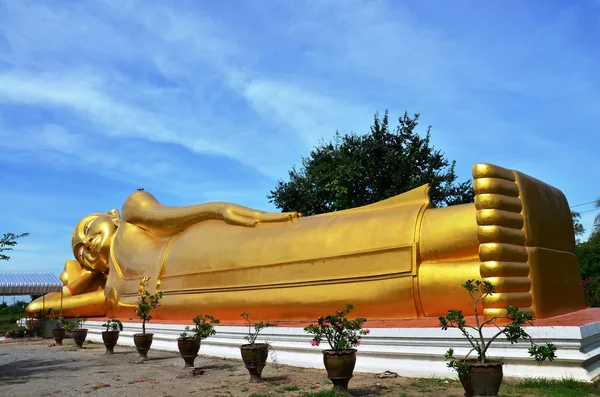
(8, 322)
(433, 382)
(428, 385)
(291, 388)
(566, 387)
(4, 328)
(323, 393)
(434, 386)
(8, 318)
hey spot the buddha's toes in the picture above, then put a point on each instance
(526, 241)
(502, 251)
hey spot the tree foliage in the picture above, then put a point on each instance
(355, 170)
(577, 225)
(17, 308)
(588, 253)
(8, 241)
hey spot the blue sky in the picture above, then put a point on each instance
(202, 100)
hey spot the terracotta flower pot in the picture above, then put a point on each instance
(484, 379)
(79, 336)
(188, 348)
(142, 344)
(58, 334)
(110, 339)
(255, 358)
(340, 367)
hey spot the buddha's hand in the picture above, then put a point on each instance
(243, 216)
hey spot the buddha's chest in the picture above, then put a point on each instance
(136, 253)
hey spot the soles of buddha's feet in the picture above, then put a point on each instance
(502, 251)
(526, 243)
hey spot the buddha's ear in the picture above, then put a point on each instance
(115, 217)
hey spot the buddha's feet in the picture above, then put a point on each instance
(526, 243)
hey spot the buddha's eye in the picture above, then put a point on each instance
(87, 227)
(81, 253)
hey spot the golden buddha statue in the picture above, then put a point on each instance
(398, 258)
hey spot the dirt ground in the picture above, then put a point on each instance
(36, 367)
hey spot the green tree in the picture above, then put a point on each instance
(8, 241)
(577, 225)
(18, 307)
(355, 170)
(588, 254)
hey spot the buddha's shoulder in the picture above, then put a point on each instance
(140, 197)
(138, 202)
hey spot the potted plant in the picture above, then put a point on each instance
(111, 335)
(21, 331)
(59, 331)
(255, 354)
(482, 376)
(148, 302)
(343, 335)
(37, 324)
(189, 344)
(79, 333)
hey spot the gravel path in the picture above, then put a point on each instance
(36, 367)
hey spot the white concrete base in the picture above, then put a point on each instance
(410, 352)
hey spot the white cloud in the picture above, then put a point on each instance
(85, 96)
(52, 143)
(186, 49)
(311, 115)
(157, 169)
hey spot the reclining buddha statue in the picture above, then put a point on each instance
(394, 259)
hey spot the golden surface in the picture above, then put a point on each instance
(399, 258)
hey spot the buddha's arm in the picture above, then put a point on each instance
(90, 304)
(71, 272)
(144, 211)
(82, 293)
(80, 284)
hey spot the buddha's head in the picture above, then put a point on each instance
(92, 238)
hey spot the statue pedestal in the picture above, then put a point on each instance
(411, 348)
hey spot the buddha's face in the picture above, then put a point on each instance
(91, 241)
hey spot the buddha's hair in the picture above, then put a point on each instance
(77, 228)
